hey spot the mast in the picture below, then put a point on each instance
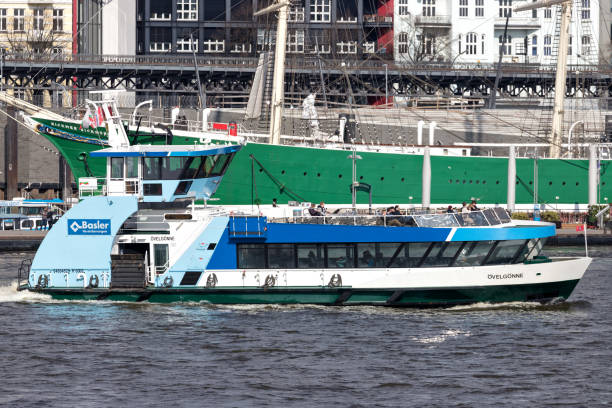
(561, 74)
(278, 83)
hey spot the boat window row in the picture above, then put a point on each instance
(180, 168)
(170, 168)
(386, 254)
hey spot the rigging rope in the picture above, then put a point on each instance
(282, 187)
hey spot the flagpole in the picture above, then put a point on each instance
(586, 248)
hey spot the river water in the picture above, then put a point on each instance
(90, 354)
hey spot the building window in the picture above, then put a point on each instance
(185, 44)
(3, 25)
(295, 41)
(586, 10)
(427, 43)
(265, 39)
(38, 19)
(429, 8)
(346, 47)
(214, 46)
(569, 45)
(505, 8)
(505, 47)
(482, 44)
(463, 8)
(534, 45)
(160, 40)
(547, 45)
(58, 20)
(479, 12)
(586, 45)
(187, 9)
(403, 8)
(19, 93)
(320, 11)
(296, 14)
(470, 44)
(19, 19)
(548, 13)
(402, 43)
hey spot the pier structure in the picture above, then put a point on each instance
(227, 80)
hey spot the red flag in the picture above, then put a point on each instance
(579, 227)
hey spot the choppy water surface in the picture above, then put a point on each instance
(120, 354)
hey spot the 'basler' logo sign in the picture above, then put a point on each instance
(89, 227)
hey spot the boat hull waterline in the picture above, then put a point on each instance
(535, 282)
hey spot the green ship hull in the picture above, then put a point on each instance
(261, 172)
(327, 296)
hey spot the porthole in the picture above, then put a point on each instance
(457, 181)
(283, 172)
(449, 181)
(382, 179)
(470, 181)
(563, 183)
(339, 175)
(305, 173)
(530, 182)
(261, 170)
(497, 182)
(477, 181)
(463, 181)
(318, 174)
(360, 177)
(516, 182)
(404, 179)
(577, 183)
(484, 181)
(550, 183)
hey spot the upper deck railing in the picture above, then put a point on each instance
(482, 218)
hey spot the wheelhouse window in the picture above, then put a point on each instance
(180, 168)
(474, 253)
(116, 164)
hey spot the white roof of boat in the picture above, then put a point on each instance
(166, 150)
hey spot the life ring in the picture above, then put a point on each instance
(335, 281)
(43, 281)
(168, 281)
(270, 281)
(211, 281)
(94, 281)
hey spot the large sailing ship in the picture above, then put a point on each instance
(294, 169)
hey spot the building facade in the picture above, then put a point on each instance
(472, 32)
(36, 27)
(339, 28)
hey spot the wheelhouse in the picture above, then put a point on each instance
(161, 173)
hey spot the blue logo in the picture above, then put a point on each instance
(89, 227)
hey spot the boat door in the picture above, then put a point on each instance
(160, 258)
(123, 175)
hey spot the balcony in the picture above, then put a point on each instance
(517, 23)
(376, 20)
(433, 21)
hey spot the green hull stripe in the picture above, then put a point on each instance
(329, 296)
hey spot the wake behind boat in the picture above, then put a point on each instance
(143, 239)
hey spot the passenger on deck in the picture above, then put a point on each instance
(313, 211)
(321, 208)
(472, 206)
(274, 203)
(450, 210)
(464, 208)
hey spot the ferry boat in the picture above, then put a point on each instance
(140, 237)
(27, 214)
